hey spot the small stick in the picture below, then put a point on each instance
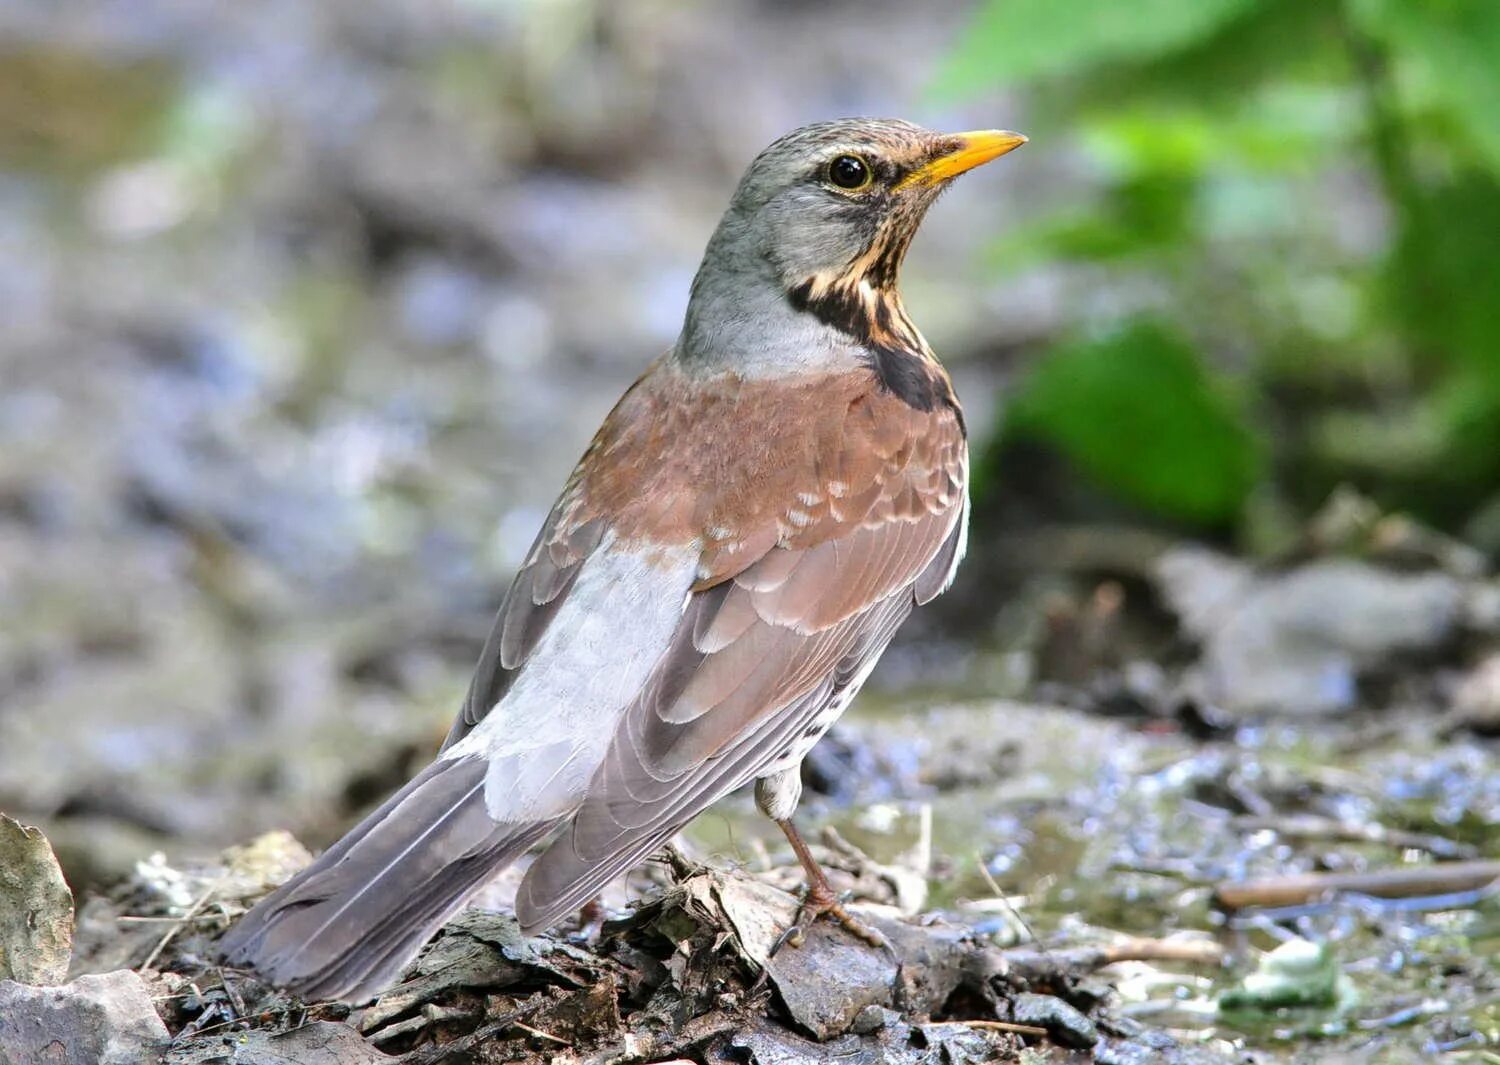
(541, 1034)
(1311, 827)
(181, 922)
(998, 1026)
(1040, 966)
(1190, 951)
(1439, 879)
(994, 886)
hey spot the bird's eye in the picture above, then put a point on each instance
(849, 172)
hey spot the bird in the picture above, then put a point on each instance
(753, 521)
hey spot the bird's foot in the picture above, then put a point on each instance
(822, 902)
(590, 921)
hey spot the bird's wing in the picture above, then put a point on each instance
(803, 579)
(537, 592)
(568, 538)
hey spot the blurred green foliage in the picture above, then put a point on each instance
(64, 112)
(1292, 202)
(1137, 411)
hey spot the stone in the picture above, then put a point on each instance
(873, 1018)
(1299, 642)
(827, 981)
(1476, 701)
(106, 1019)
(1064, 1023)
(36, 908)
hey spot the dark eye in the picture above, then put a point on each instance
(849, 172)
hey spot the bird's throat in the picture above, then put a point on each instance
(873, 317)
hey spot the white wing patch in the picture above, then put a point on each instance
(548, 734)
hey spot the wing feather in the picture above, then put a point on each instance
(575, 867)
(767, 645)
(536, 593)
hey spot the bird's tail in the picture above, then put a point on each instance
(346, 926)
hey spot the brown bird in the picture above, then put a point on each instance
(740, 541)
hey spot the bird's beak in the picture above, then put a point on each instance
(967, 151)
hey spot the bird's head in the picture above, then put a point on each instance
(840, 201)
(823, 217)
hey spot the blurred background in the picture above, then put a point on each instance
(309, 309)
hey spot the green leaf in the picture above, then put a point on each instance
(1013, 41)
(1138, 413)
(1444, 276)
(1448, 54)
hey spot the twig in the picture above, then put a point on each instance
(834, 840)
(994, 886)
(668, 1043)
(1307, 826)
(249, 1018)
(181, 922)
(1264, 916)
(541, 1034)
(1189, 951)
(1439, 879)
(680, 866)
(999, 1026)
(1039, 966)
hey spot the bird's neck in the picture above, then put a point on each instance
(867, 308)
(742, 322)
(746, 318)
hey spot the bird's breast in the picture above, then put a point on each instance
(738, 466)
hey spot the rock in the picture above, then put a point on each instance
(763, 1045)
(95, 1020)
(318, 1043)
(831, 979)
(1476, 702)
(1162, 1051)
(36, 908)
(826, 982)
(1063, 1022)
(1203, 587)
(1298, 974)
(1298, 642)
(872, 1019)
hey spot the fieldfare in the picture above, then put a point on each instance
(740, 541)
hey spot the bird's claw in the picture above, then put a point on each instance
(818, 904)
(792, 937)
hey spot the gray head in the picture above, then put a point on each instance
(830, 207)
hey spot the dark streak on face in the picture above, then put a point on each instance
(887, 220)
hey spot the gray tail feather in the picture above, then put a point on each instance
(346, 926)
(558, 882)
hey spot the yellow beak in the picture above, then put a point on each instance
(974, 149)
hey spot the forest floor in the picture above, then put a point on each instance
(1133, 871)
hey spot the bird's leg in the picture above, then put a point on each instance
(591, 919)
(820, 900)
